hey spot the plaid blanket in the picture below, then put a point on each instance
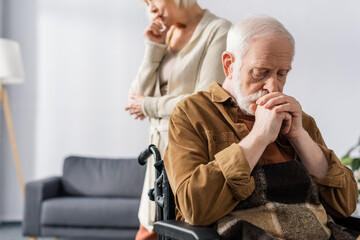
(284, 205)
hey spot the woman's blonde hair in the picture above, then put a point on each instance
(182, 3)
(185, 3)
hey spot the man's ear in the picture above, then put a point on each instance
(228, 64)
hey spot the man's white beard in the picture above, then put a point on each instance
(244, 102)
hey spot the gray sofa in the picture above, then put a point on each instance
(95, 198)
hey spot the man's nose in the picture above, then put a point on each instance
(272, 84)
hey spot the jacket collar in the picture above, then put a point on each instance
(219, 95)
(228, 108)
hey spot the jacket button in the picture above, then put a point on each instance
(214, 137)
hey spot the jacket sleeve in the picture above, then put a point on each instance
(204, 189)
(145, 80)
(210, 71)
(338, 189)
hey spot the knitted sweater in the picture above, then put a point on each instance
(197, 65)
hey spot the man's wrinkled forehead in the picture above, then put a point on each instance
(269, 51)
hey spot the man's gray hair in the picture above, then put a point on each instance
(252, 27)
(185, 3)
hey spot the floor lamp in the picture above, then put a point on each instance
(11, 72)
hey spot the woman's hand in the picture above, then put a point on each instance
(156, 31)
(135, 106)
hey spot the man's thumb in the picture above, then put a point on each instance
(253, 107)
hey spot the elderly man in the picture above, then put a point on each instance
(245, 156)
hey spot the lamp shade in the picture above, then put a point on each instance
(11, 68)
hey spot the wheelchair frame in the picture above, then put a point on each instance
(168, 228)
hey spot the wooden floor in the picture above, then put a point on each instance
(12, 231)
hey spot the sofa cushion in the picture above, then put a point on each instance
(90, 212)
(103, 177)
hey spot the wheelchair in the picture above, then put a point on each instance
(168, 228)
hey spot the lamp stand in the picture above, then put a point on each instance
(4, 99)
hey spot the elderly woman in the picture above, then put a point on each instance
(183, 47)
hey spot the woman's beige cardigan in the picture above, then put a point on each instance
(197, 65)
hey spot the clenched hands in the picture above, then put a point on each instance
(274, 112)
(277, 112)
(286, 114)
(135, 106)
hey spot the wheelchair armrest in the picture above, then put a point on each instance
(349, 222)
(182, 230)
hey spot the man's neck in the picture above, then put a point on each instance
(228, 87)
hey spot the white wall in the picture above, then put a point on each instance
(20, 25)
(1, 112)
(1, 17)
(80, 57)
(89, 54)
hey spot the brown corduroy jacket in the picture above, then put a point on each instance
(208, 172)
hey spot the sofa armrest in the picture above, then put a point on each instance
(35, 193)
(182, 230)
